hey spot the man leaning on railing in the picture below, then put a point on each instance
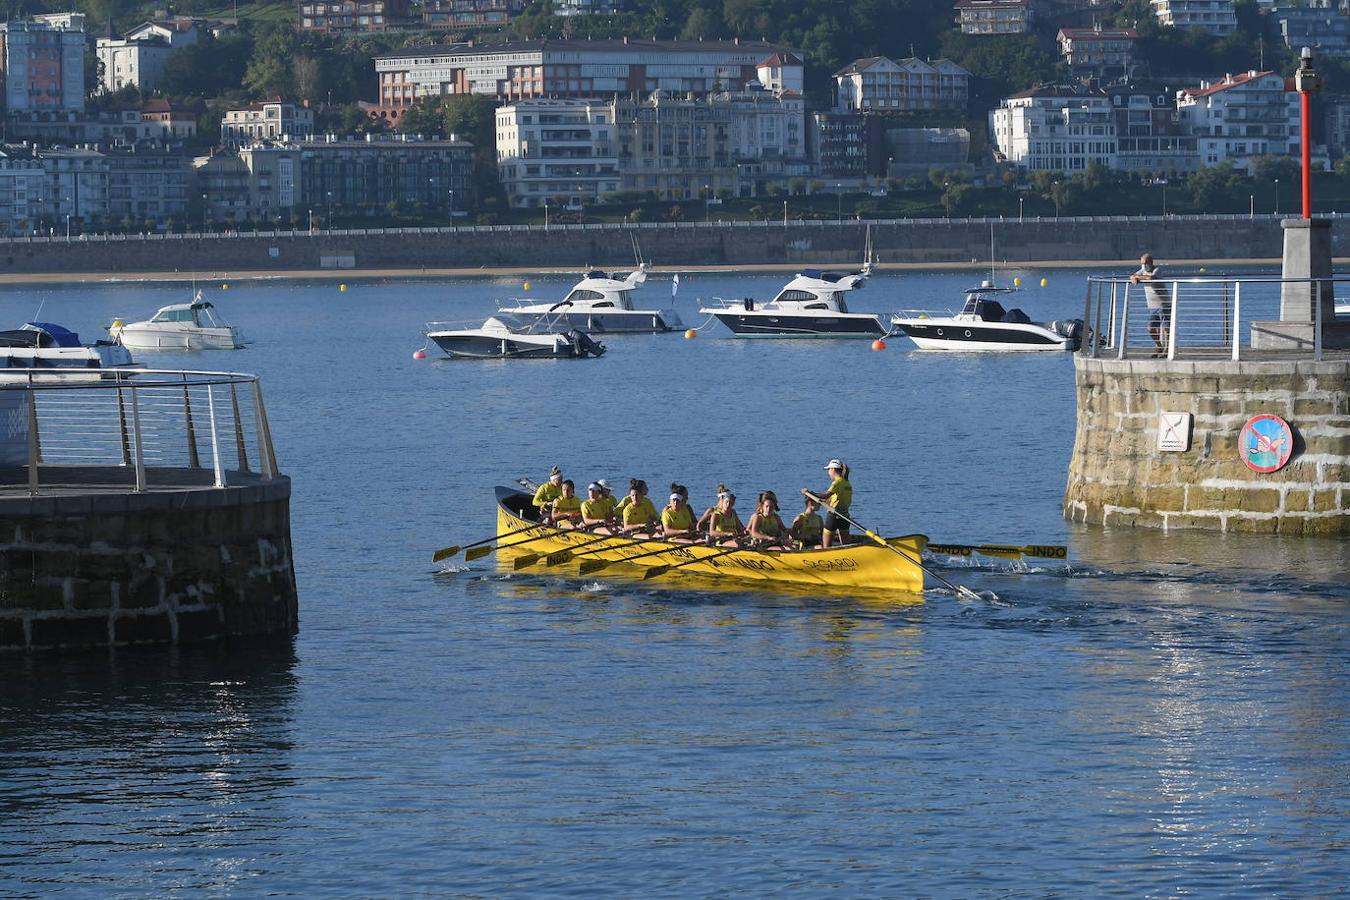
(1159, 313)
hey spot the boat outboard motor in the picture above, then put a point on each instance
(1068, 328)
(586, 346)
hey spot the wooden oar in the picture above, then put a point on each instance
(447, 552)
(1043, 551)
(661, 570)
(558, 557)
(595, 565)
(480, 552)
(960, 589)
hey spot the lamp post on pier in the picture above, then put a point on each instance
(1277, 196)
(1307, 82)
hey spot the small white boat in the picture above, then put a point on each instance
(600, 302)
(180, 326)
(509, 337)
(811, 305)
(42, 345)
(984, 325)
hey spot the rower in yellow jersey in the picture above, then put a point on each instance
(808, 526)
(597, 510)
(548, 492)
(677, 519)
(566, 511)
(636, 511)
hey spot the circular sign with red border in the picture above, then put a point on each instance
(1266, 443)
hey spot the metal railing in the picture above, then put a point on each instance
(1211, 317)
(137, 428)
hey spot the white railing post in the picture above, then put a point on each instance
(215, 438)
(1172, 323)
(267, 460)
(1317, 319)
(1111, 326)
(1237, 321)
(139, 454)
(1124, 323)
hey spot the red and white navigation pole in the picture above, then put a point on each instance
(1307, 82)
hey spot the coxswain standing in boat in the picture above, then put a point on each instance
(566, 511)
(808, 526)
(839, 497)
(677, 519)
(548, 492)
(765, 526)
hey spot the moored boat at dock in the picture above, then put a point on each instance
(811, 305)
(600, 302)
(984, 325)
(865, 564)
(45, 346)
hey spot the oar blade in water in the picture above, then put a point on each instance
(528, 559)
(477, 553)
(593, 565)
(444, 554)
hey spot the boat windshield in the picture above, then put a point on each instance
(175, 315)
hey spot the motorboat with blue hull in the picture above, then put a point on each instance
(983, 324)
(45, 346)
(811, 305)
(507, 337)
(600, 303)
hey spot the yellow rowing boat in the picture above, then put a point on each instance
(860, 565)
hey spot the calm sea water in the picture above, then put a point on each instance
(1164, 715)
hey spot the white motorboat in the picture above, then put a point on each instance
(509, 337)
(42, 345)
(811, 305)
(180, 326)
(600, 302)
(983, 324)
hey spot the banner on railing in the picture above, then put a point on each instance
(13, 429)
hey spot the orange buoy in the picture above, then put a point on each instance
(419, 354)
(878, 344)
(690, 334)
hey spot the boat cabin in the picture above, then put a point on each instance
(813, 289)
(197, 313)
(40, 335)
(981, 306)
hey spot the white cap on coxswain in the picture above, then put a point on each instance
(834, 464)
(677, 496)
(594, 486)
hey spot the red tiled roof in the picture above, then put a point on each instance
(1226, 83)
(782, 59)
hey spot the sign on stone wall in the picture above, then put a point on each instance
(13, 428)
(1266, 443)
(1174, 432)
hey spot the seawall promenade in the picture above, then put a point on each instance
(899, 241)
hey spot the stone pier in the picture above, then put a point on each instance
(89, 565)
(1119, 476)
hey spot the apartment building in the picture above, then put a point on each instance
(844, 144)
(1105, 52)
(22, 181)
(1325, 30)
(43, 63)
(882, 85)
(574, 151)
(1151, 139)
(1216, 17)
(147, 186)
(1241, 117)
(574, 68)
(267, 121)
(994, 16)
(352, 16)
(167, 121)
(450, 15)
(1056, 128)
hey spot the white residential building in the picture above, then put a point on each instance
(994, 16)
(576, 151)
(138, 57)
(1213, 16)
(882, 85)
(1241, 117)
(1098, 50)
(268, 121)
(1055, 128)
(21, 195)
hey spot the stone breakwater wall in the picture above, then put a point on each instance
(924, 241)
(1118, 476)
(113, 568)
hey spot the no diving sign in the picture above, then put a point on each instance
(1174, 432)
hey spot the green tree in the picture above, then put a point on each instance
(1208, 186)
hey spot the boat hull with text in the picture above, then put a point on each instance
(865, 565)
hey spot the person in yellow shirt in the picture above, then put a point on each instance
(636, 511)
(677, 519)
(548, 492)
(567, 508)
(808, 525)
(839, 495)
(720, 521)
(765, 526)
(597, 510)
(607, 495)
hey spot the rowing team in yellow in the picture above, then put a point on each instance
(720, 524)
